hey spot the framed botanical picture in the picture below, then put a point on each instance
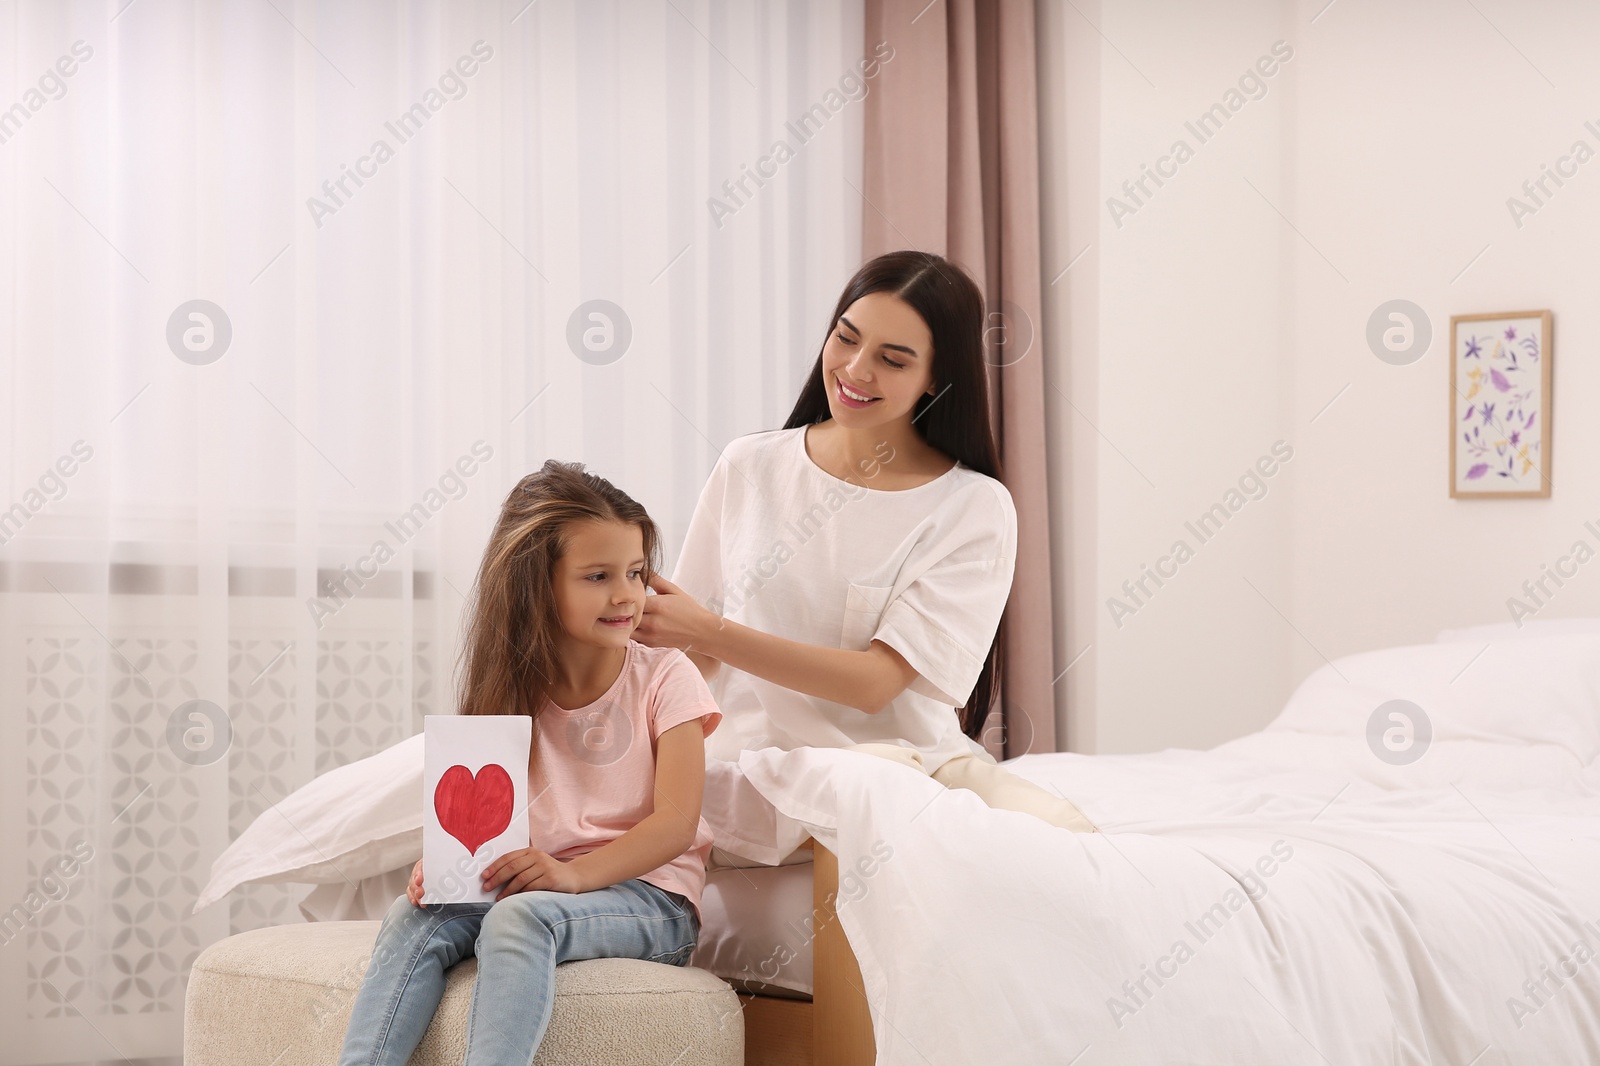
(1500, 404)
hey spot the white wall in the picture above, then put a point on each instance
(1230, 307)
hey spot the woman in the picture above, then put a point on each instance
(853, 566)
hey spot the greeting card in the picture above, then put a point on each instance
(475, 803)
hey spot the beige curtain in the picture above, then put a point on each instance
(951, 166)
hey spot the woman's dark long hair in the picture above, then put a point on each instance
(510, 653)
(955, 418)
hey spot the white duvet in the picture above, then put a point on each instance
(1290, 897)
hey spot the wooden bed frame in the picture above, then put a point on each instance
(835, 1027)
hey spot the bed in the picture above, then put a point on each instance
(1343, 886)
(799, 986)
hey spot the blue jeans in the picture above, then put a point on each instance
(518, 942)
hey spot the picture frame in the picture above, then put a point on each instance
(1500, 404)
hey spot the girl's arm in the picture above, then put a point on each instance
(668, 831)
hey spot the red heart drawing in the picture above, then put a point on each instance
(474, 808)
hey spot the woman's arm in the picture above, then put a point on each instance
(866, 680)
(669, 830)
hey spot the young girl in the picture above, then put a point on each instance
(617, 857)
(842, 580)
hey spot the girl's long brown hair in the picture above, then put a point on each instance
(509, 655)
(955, 419)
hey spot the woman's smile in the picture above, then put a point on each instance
(852, 397)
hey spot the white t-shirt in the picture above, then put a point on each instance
(778, 544)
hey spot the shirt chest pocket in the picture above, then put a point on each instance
(863, 610)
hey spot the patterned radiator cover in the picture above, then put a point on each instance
(100, 770)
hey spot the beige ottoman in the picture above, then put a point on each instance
(282, 996)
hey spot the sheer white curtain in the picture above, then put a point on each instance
(237, 532)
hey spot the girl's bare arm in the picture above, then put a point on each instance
(668, 831)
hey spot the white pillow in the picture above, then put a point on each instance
(358, 821)
(1535, 690)
(1548, 627)
(364, 820)
(367, 899)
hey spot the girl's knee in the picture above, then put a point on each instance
(520, 912)
(399, 913)
(396, 934)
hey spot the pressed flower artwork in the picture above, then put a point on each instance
(1500, 404)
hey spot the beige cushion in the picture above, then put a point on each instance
(283, 995)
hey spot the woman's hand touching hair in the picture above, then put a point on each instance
(674, 619)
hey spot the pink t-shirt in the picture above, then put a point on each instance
(594, 772)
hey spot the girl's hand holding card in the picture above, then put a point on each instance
(530, 870)
(414, 889)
